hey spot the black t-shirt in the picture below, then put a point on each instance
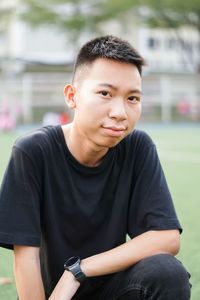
(49, 200)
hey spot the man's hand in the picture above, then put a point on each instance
(65, 288)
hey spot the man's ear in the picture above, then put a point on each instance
(69, 93)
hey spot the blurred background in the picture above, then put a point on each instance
(39, 41)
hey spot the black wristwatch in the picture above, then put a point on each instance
(73, 265)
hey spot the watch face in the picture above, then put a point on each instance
(71, 261)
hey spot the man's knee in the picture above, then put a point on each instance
(159, 277)
(164, 267)
(164, 274)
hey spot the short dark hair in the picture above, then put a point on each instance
(109, 47)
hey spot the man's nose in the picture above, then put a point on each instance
(118, 110)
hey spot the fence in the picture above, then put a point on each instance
(166, 98)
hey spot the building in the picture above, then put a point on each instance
(166, 50)
(36, 63)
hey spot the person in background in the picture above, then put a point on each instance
(7, 121)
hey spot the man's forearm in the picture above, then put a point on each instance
(127, 254)
(28, 275)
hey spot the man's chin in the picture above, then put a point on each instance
(110, 143)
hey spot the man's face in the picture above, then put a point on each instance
(107, 102)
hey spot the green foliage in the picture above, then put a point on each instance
(5, 16)
(73, 15)
(78, 14)
(173, 13)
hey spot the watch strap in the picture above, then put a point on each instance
(75, 269)
(78, 273)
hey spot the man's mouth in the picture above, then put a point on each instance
(115, 131)
(116, 128)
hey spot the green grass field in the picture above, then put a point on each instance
(179, 150)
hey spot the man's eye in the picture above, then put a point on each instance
(134, 99)
(104, 93)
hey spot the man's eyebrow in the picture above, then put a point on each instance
(138, 91)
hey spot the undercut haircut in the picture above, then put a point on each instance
(108, 47)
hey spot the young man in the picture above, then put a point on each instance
(71, 194)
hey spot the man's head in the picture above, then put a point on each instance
(106, 91)
(107, 47)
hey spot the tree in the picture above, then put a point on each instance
(6, 13)
(73, 15)
(78, 15)
(176, 14)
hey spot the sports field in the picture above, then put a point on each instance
(179, 150)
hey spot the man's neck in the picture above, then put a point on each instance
(87, 154)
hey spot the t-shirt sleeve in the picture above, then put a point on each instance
(151, 206)
(20, 199)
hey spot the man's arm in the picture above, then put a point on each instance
(127, 254)
(120, 258)
(27, 273)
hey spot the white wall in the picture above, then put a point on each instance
(168, 55)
